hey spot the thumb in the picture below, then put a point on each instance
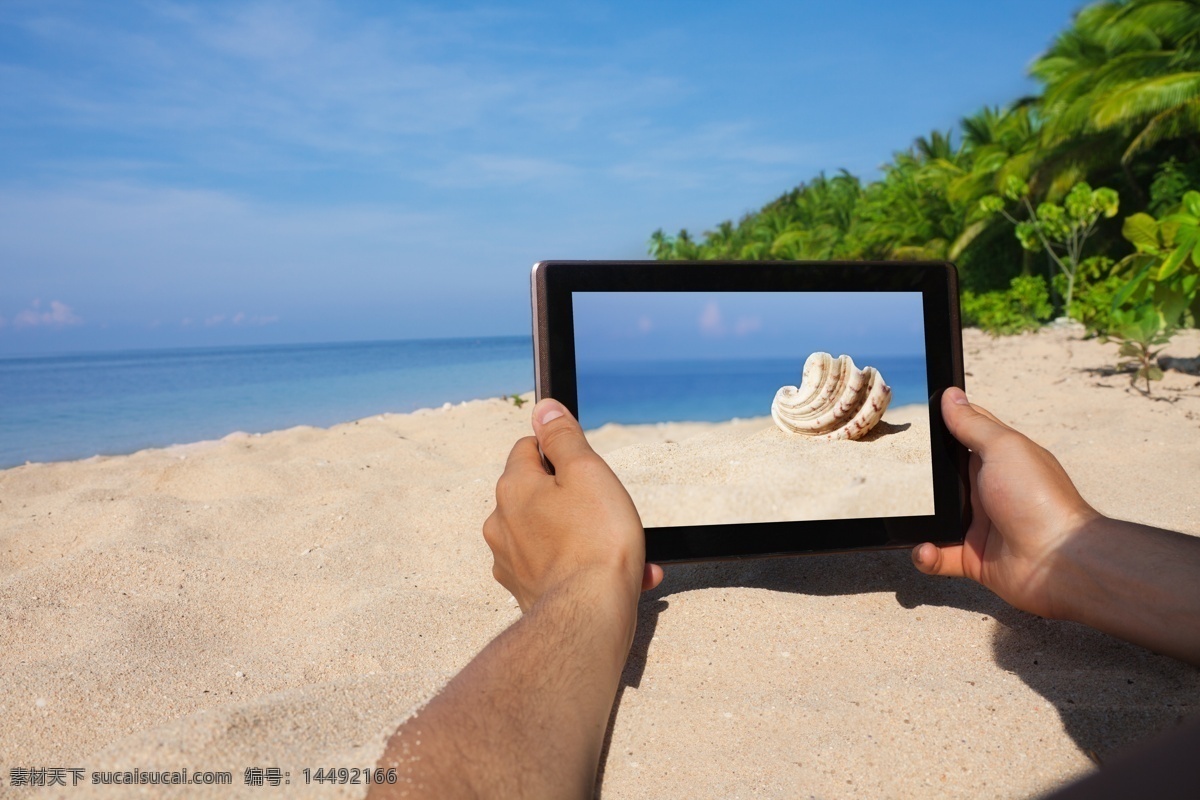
(558, 433)
(972, 426)
(934, 560)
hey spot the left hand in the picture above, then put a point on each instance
(548, 530)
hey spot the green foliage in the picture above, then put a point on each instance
(1165, 267)
(1025, 306)
(994, 258)
(1172, 180)
(1123, 78)
(808, 223)
(1161, 295)
(1119, 106)
(1140, 330)
(1062, 231)
(517, 400)
(1013, 188)
(1096, 286)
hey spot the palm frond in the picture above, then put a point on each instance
(1174, 123)
(969, 234)
(1142, 99)
(1176, 22)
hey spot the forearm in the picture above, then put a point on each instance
(526, 718)
(1135, 582)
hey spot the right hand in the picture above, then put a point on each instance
(1025, 509)
(550, 529)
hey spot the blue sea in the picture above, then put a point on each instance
(75, 406)
(633, 392)
(55, 408)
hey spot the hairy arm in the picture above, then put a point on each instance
(1035, 542)
(527, 716)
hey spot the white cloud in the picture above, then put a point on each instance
(286, 85)
(163, 251)
(58, 315)
(747, 325)
(241, 318)
(388, 87)
(731, 154)
(711, 322)
(483, 169)
(387, 113)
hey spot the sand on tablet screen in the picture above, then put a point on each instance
(675, 391)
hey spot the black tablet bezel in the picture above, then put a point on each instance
(553, 283)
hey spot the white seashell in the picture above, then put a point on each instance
(835, 399)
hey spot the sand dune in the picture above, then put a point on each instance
(285, 600)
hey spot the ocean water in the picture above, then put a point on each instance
(74, 406)
(632, 392)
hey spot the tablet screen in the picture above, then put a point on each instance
(675, 389)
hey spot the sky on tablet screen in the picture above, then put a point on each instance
(207, 173)
(628, 326)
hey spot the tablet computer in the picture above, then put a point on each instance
(740, 402)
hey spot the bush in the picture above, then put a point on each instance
(1095, 288)
(1025, 306)
(1171, 182)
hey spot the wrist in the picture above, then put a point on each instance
(1070, 580)
(1134, 582)
(598, 601)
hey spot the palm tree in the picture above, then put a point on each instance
(718, 243)
(1122, 79)
(909, 214)
(998, 144)
(660, 245)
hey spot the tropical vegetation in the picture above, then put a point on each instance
(1008, 195)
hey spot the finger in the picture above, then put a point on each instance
(979, 518)
(934, 560)
(491, 531)
(524, 458)
(959, 393)
(559, 434)
(993, 417)
(973, 427)
(652, 576)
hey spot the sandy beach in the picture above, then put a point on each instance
(285, 600)
(750, 471)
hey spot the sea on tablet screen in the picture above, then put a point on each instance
(675, 391)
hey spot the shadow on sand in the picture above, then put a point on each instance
(1109, 694)
(882, 429)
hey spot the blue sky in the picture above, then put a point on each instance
(638, 326)
(179, 174)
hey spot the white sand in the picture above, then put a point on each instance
(750, 471)
(285, 600)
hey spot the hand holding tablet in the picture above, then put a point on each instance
(671, 349)
(694, 376)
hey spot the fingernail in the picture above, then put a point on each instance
(916, 553)
(547, 410)
(957, 395)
